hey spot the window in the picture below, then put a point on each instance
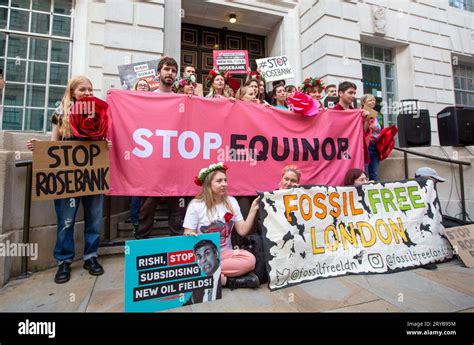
(463, 75)
(35, 51)
(467, 5)
(378, 79)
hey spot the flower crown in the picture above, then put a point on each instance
(214, 73)
(199, 180)
(256, 75)
(310, 82)
(186, 81)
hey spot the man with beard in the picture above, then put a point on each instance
(166, 72)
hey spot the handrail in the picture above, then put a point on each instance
(26, 216)
(447, 160)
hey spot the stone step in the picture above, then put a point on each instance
(159, 229)
(125, 226)
(117, 245)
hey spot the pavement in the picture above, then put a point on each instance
(449, 288)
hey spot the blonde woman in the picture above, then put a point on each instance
(141, 85)
(66, 209)
(212, 210)
(217, 81)
(372, 167)
(290, 177)
(246, 94)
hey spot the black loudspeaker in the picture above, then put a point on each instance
(456, 126)
(414, 128)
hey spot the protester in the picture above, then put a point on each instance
(187, 85)
(66, 209)
(166, 71)
(330, 91)
(217, 81)
(254, 84)
(246, 94)
(290, 90)
(140, 85)
(290, 177)
(214, 211)
(189, 70)
(251, 75)
(279, 97)
(261, 91)
(356, 177)
(269, 95)
(347, 94)
(314, 88)
(372, 167)
(429, 173)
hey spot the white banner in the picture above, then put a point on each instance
(324, 231)
(275, 68)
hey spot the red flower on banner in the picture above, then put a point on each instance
(89, 118)
(228, 216)
(303, 104)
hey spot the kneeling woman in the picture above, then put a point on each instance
(214, 211)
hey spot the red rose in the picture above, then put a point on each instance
(89, 118)
(212, 72)
(225, 166)
(197, 181)
(228, 216)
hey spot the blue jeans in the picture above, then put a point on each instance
(135, 209)
(372, 168)
(66, 210)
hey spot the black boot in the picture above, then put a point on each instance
(93, 266)
(63, 274)
(250, 280)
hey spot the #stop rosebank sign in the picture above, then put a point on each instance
(275, 68)
(234, 61)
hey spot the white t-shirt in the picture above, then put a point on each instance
(197, 219)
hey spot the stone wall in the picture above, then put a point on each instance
(427, 37)
(118, 33)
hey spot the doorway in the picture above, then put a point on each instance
(198, 42)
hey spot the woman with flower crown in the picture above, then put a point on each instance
(314, 88)
(216, 80)
(212, 210)
(186, 85)
(70, 123)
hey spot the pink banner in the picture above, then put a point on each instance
(161, 141)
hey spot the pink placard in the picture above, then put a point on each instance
(161, 141)
(234, 61)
